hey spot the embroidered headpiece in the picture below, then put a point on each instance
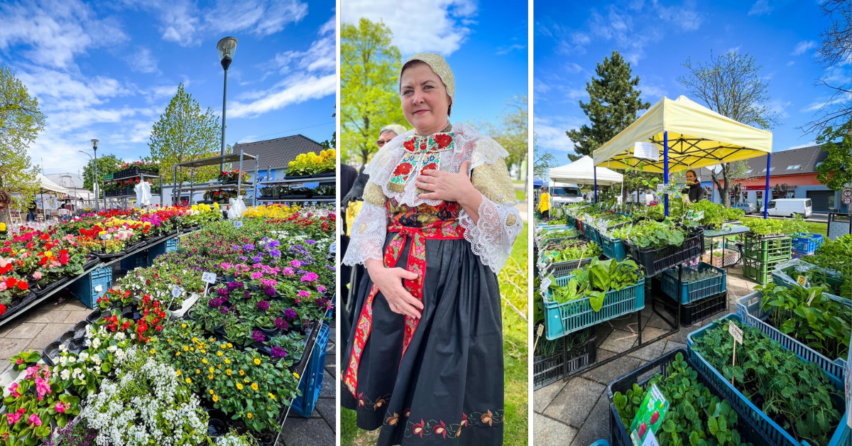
(439, 66)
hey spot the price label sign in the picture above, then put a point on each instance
(333, 248)
(646, 150)
(802, 281)
(176, 291)
(209, 278)
(661, 188)
(649, 417)
(238, 224)
(735, 331)
(545, 284)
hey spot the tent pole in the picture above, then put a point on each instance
(666, 168)
(766, 192)
(595, 170)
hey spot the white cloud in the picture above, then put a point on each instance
(779, 107)
(438, 26)
(321, 56)
(297, 90)
(735, 49)
(760, 7)
(142, 61)
(54, 31)
(803, 46)
(550, 133)
(508, 49)
(825, 102)
(185, 23)
(790, 63)
(652, 91)
(573, 68)
(684, 17)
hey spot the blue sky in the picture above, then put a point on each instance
(107, 70)
(658, 36)
(485, 44)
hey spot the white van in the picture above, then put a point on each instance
(787, 207)
(564, 193)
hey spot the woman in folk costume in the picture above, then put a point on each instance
(424, 359)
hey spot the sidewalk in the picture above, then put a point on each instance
(576, 412)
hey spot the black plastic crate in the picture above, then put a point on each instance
(549, 369)
(656, 261)
(697, 311)
(642, 375)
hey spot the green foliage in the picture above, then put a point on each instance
(613, 105)
(21, 121)
(810, 317)
(107, 164)
(542, 161)
(695, 417)
(834, 255)
(760, 227)
(571, 232)
(573, 250)
(513, 133)
(369, 89)
(836, 170)
(184, 132)
(695, 275)
(595, 280)
(796, 394)
(654, 235)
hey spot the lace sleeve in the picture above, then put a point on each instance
(368, 234)
(499, 224)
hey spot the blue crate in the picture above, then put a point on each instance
(169, 245)
(591, 233)
(751, 314)
(94, 285)
(138, 260)
(563, 319)
(807, 244)
(612, 248)
(312, 379)
(694, 291)
(775, 433)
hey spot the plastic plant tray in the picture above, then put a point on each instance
(562, 319)
(689, 292)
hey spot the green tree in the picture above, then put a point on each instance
(369, 89)
(542, 161)
(574, 157)
(184, 133)
(107, 164)
(835, 52)
(732, 86)
(836, 171)
(20, 123)
(514, 132)
(613, 104)
(331, 144)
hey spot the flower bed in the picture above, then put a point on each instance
(227, 369)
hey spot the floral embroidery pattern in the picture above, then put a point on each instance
(444, 230)
(422, 150)
(440, 428)
(364, 402)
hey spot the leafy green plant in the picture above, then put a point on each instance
(834, 255)
(655, 235)
(695, 417)
(761, 228)
(696, 275)
(797, 395)
(596, 279)
(581, 249)
(810, 317)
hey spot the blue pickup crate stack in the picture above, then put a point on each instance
(312, 379)
(94, 285)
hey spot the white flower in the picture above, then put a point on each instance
(72, 359)
(111, 348)
(96, 343)
(65, 374)
(120, 336)
(63, 360)
(84, 356)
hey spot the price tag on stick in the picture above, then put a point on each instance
(737, 334)
(209, 278)
(238, 224)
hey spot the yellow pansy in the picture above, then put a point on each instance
(239, 386)
(242, 372)
(256, 361)
(272, 396)
(254, 386)
(188, 381)
(215, 398)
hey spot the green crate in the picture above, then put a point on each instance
(764, 250)
(759, 271)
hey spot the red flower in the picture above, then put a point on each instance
(440, 429)
(430, 166)
(23, 286)
(2, 309)
(402, 169)
(406, 413)
(409, 145)
(443, 140)
(418, 428)
(464, 420)
(10, 282)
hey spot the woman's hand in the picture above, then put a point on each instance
(389, 281)
(447, 186)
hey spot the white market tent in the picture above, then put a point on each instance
(46, 185)
(582, 172)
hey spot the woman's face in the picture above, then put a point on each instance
(690, 177)
(425, 102)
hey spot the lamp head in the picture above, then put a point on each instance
(226, 49)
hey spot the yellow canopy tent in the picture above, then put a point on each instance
(690, 135)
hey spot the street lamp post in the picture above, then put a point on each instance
(96, 182)
(226, 49)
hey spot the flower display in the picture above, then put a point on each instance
(311, 164)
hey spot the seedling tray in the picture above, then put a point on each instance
(563, 363)
(689, 292)
(642, 376)
(565, 318)
(613, 248)
(656, 261)
(773, 432)
(697, 311)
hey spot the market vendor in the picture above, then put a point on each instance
(544, 204)
(694, 189)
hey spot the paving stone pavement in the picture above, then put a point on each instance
(576, 412)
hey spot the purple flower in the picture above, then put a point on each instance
(280, 324)
(263, 305)
(214, 303)
(269, 291)
(290, 314)
(278, 352)
(248, 247)
(310, 242)
(256, 259)
(222, 292)
(235, 247)
(273, 244)
(223, 310)
(231, 286)
(247, 294)
(275, 253)
(243, 258)
(258, 336)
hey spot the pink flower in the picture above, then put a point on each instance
(32, 371)
(19, 361)
(60, 407)
(296, 263)
(256, 275)
(42, 388)
(35, 420)
(15, 417)
(13, 390)
(304, 294)
(37, 275)
(310, 277)
(321, 289)
(2, 286)
(287, 272)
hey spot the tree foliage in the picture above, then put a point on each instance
(21, 121)
(183, 133)
(836, 171)
(107, 164)
(542, 161)
(369, 89)
(613, 104)
(332, 143)
(513, 134)
(834, 53)
(731, 85)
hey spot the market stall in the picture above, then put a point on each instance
(583, 171)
